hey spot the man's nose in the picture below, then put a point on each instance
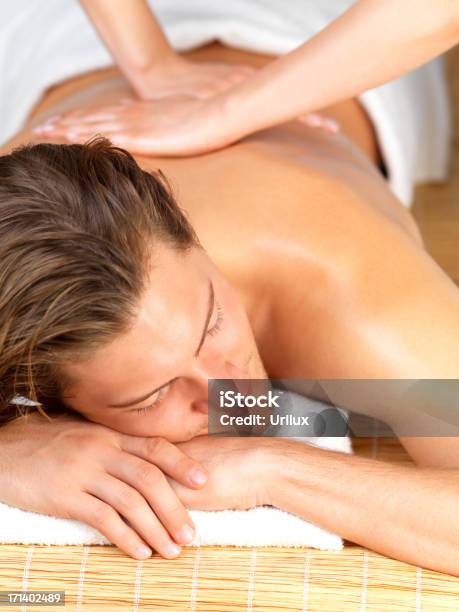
(198, 384)
(199, 377)
(234, 370)
(200, 374)
(201, 406)
(224, 368)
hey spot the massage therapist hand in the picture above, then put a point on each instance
(135, 39)
(177, 125)
(179, 76)
(76, 469)
(370, 44)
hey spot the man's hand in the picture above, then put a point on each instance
(238, 478)
(72, 468)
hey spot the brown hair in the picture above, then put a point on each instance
(77, 227)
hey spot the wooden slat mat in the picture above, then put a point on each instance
(220, 579)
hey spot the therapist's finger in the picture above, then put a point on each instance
(107, 121)
(77, 133)
(317, 120)
(88, 117)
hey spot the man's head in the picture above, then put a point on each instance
(106, 294)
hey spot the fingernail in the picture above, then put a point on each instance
(172, 550)
(186, 534)
(313, 120)
(331, 125)
(198, 477)
(143, 551)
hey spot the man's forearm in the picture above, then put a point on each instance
(405, 512)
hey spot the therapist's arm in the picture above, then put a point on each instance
(138, 45)
(373, 42)
(132, 35)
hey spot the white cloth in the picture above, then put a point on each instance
(45, 41)
(261, 526)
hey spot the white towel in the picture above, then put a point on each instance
(262, 526)
(44, 42)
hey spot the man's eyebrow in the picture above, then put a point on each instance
(210, 309)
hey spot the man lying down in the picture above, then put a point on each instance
(290, 259)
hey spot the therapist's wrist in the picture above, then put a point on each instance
(231, 111)
(211, 126)
(248, 108)
(146, 78)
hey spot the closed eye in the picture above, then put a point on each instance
(212, 331)
(159, 398)
(217, 325)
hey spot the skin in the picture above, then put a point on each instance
(174, 319)
(396, 36)
(307, 250)
(143, 54)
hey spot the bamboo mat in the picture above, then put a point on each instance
(214, 579)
